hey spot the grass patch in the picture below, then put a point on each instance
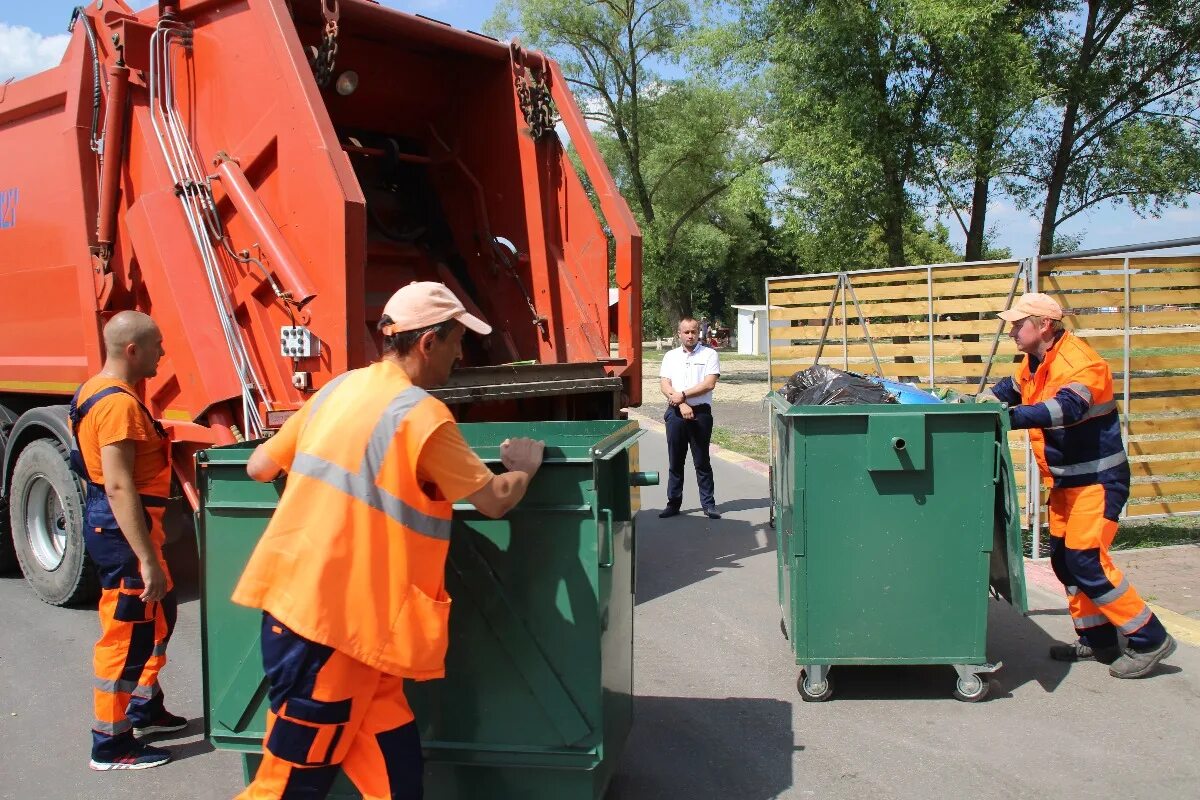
(753, 445)
(1157, 533)
(1134, 535)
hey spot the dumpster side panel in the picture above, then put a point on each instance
(896, 570)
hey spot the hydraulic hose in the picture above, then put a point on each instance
(93, 47)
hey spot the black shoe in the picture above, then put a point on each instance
(668, 512)
(142, 756)
(712, 513)
(166, 722)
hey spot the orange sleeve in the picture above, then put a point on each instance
(448, 462)
(281, 447)
(117, 418)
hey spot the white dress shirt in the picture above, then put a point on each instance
(685, 370)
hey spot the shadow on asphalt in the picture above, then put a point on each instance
(680, 551)
(756, 764)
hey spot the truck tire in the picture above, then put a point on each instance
(46, 512)
(8, 557)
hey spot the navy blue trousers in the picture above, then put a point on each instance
(684, 435)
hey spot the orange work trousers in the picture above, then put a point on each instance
(1101, 600)
(132, 649)
(330, 712)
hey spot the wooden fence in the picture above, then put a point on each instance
(936, 327)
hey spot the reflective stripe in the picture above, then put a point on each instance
(112, 728)
(1072, 591)
(116, 687)
(1100, 410)
(1081, 390)
(323, 395)
(147, 692)
(1090, 621)
(385, 430)
(1089, 467)
(1113, 594)
(1056, 412)
(1137, 622)
(363, 488)
(160, 649)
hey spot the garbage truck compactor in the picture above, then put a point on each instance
(259, 176)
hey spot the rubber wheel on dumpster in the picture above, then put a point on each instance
(973, 690)
(810, 693)
(46, 510)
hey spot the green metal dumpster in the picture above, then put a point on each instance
(538, 695)
(892, 522)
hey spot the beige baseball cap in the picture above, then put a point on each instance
(425, 303)
(1033, 304)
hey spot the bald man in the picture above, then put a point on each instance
(123, 457)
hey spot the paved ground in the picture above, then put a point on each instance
(717, 711)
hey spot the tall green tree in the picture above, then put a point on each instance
(991, 86)
(675, 145)
(1122, 122)
(856, 86)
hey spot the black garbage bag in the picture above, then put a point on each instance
(826, 386)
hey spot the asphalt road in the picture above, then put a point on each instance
(718, 715)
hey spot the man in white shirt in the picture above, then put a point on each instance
(688, 376)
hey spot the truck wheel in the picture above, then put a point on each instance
(46, 510)
(8, 557)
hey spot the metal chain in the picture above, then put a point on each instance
(534, 96)
(322, 60)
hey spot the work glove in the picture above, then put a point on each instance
(986, 397)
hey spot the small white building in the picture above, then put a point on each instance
(753, 336)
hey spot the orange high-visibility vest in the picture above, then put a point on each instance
(1075, 451)
(354, 556)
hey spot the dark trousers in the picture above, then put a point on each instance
(682, 435)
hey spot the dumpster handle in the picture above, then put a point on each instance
(604, 541)
(643, 479)
(996, 467)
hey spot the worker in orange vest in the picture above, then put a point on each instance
(349, 573)
(124, 459)
(1063, 394)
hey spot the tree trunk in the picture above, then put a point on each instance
(1066, 139)
(893, 219)
(675, 304)
(979, 195)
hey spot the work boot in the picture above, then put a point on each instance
(166, 722)
(668, 512)
(1135, 664)
(1078, 651)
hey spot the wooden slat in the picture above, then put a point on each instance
(1117, 262)
(1147, 405)
(1147, 427)
(1168, 507)
(1154, 363)
(941, 348)
(1172, 467)
(1057, 284)
(1142, 297)
(1164, 488)
(984, 327)
(801, 283)
(1165, 280)
(1164, 447)
(1140, 385)
(1138, 319)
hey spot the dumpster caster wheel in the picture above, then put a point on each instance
(814, 692)
(972, 689)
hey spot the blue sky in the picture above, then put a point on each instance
(32, 37)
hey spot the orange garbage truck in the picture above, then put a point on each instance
(259, 176)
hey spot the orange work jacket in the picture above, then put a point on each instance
(354, 555)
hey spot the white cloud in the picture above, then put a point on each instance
(23, 51)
